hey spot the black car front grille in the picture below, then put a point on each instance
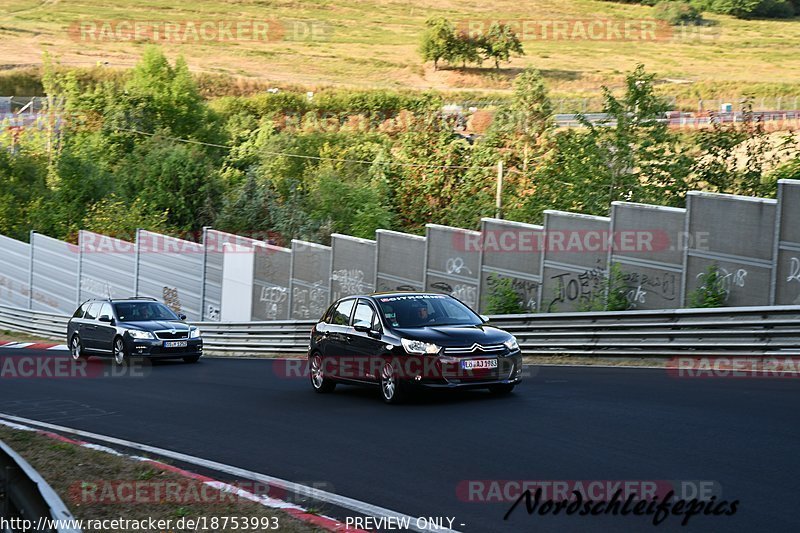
(476, 349)
(168, 335)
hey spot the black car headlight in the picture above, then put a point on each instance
(139, 334)
(511, 344)
(194, 333)
(420, 348)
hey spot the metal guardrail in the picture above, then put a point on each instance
(749, 331)
(756, 331)
(279, 336)
(25, 495)
(42, 324)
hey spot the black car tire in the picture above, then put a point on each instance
(120, 353)
(502, 389)
(76, 349)
(393, 390)
(191, 359)
(319, 382)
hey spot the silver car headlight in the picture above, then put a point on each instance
(511, 344)
(138, 334)
(419, 347)
(194, 333)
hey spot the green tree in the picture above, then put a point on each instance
(75, 180)
(116, 218)
(500, 42)
(466, 49)
(746, 9)
(438, 41)
(433, 161)
(520, 136)
(735, 158)
(22, 182)
(166, 96)
(177, 178)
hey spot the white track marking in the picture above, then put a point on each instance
(344, 502)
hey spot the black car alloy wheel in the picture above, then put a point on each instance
(391, 387)
(121, 356)
(318, 379)
(76, 349)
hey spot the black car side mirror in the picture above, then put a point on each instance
(105, 318)
(362, 328)
(182, 316)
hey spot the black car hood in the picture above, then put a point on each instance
(155, 325)
(455, 335)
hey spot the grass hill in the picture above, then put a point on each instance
(374, 43)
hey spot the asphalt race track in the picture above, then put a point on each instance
(561, 424)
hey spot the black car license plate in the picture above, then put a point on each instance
(175, 344)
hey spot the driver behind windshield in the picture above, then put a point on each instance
(420, 315)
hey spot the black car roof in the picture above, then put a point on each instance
(132, 299)
(387, 294)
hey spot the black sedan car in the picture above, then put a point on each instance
(135, 327)
(403, 340)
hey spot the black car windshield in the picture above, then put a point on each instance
(143, 311)
(420, 310)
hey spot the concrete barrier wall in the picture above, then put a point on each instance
(54, 275)
(648, 247)
(352, 266)
(15, 266)
(574, 261)
(400, 261)
(311, 271)
(663, 254)
(739, 238)
(786, 277)
(511, 251)
(107, 266)
(271, 282)
(170, 270)
(214, 246)
(452, 262)
(237, 283)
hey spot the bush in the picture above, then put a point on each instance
(677, 12)
(711, 292)
(610, 295)
(775, 9)
(743, 9)
(502, 298)
(746, 9)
